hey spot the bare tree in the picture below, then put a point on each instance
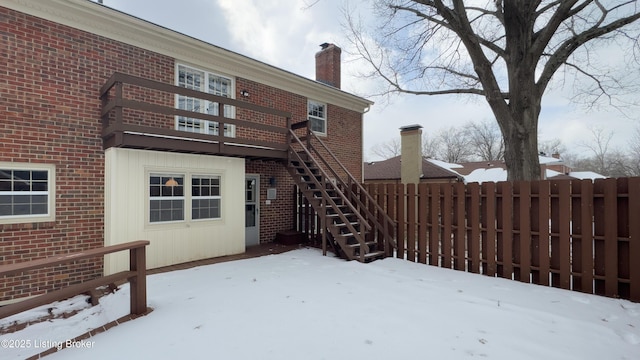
(430, 146)
(507, 51)
(388, 149)
(552, 146)
(454, 145)
(634, 153)
(599, 147)
(486, 140)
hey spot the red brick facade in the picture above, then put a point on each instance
(50, 114)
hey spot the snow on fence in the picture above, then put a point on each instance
(578, 235)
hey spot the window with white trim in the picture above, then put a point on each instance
(168, 196)
(317, 113)
(205, 197)
(203, 81)
(27, 193)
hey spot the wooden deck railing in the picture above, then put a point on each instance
(121, 130)
(136, 276)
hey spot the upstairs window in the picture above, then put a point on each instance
(203, 81)
(26, 193)
(317, 113)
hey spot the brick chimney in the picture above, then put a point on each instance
(328, 65)
(411, 154)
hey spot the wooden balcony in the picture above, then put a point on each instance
(140, 113)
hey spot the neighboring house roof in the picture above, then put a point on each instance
(114, 24)
(476, 171)
(495, 171)
(390, 170)
(481, 175)
(581, 175)
(467, 168)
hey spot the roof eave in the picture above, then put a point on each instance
(102, 20)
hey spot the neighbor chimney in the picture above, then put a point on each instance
(411, 154)
(328, 65)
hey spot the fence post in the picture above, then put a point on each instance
(138, 284)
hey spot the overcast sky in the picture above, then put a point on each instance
(287, 34)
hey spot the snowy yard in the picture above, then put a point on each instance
(301, 305)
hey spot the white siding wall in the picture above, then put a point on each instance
(127, 208)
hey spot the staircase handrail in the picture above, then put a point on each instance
(323, 190)
(387, 218)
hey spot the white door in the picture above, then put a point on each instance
(252, 210)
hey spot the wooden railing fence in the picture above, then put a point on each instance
(136, 276)
(580, 235)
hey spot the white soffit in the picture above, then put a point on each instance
(104, 21)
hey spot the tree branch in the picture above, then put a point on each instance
(570, 45)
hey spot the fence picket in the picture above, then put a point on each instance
(446, 209)
(544, 214)
(460, 227)
(423, 225)
(505, 248)
(634, 239)
(565, 233)
(434, 231)
(623, 259)
(411, 222)
(488, 218)
(611, 238)
(401, 239)
(473, 227)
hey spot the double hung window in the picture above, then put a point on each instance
(317, 113)
(26, 193)
(203, 81)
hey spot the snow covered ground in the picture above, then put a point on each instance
(301, 305)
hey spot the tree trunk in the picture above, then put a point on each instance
(521, 147)
(519, 119)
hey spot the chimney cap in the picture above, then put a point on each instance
(410, 127)
(324, 45)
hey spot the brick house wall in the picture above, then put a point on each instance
(50, 114)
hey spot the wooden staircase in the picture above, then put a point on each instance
(343, 207)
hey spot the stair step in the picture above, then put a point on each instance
(370, 244)
(345, 224)
(374, 254)
(338, 215)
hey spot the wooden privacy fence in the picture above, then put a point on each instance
(579, 235)
(136, 276)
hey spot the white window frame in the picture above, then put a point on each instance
(169, 176)
(207, 197)
(313, 116)
(205, 126)
(50, 193)
(187, 197)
